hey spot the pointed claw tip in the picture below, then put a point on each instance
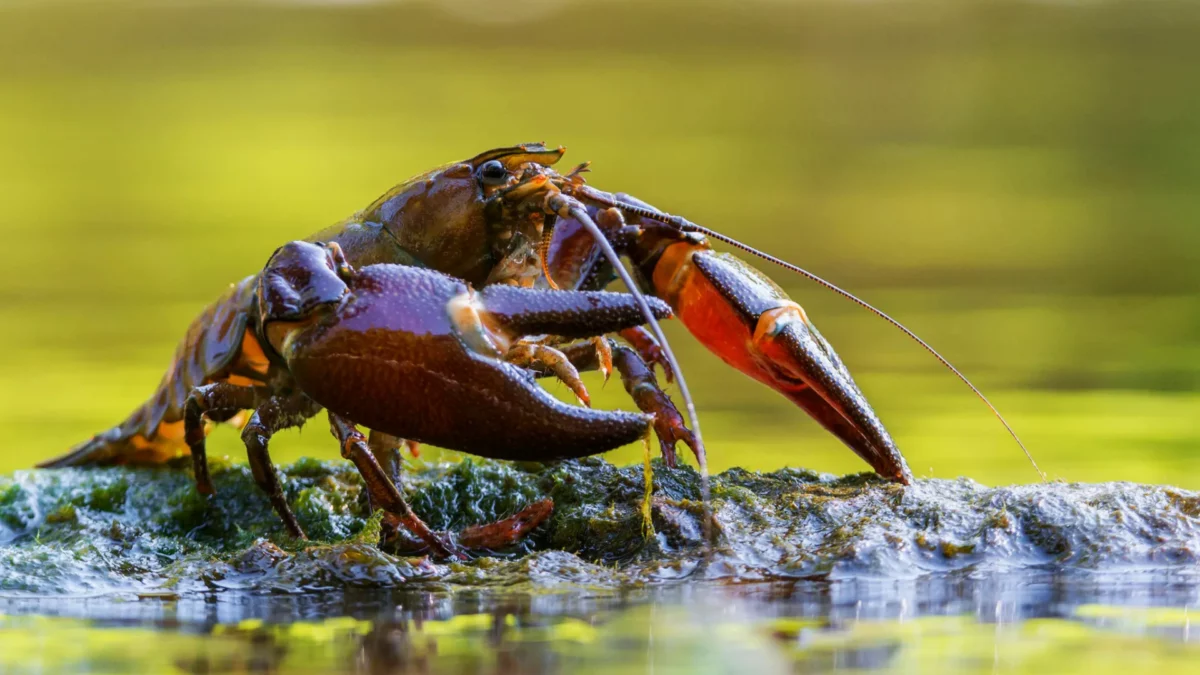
(581, 393)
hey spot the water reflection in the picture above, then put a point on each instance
(956, 623)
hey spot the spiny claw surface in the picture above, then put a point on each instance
(418, 355)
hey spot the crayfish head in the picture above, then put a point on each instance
(457, 219)
(516, 182)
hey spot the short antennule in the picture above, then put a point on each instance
(685, 225)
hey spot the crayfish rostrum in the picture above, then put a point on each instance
(427, 317)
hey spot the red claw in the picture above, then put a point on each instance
(747, 320)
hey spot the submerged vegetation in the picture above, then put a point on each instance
(87, 531)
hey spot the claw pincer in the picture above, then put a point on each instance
(417, 354)
(747, 320)
(740, 315)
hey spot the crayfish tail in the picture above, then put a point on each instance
(127, 444)
(217, 346)
(103, 449)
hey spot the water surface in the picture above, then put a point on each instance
(954, 624)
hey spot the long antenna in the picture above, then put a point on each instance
(577, 211)
(685, 225)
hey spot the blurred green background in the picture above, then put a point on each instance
(1014, 181)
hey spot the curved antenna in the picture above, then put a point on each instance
(685, 225)
(577, 211)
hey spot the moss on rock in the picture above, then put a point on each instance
(75, 531)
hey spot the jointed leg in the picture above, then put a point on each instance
(642, 385)
(218, 402)
(386, 449)
(647, 347)
(604, 355)
(275, 415)
(541, 357)
(382, 491)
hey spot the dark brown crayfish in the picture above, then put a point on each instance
(427, 316)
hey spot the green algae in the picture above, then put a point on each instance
(10, 495)
(454, 496)
(75, 531)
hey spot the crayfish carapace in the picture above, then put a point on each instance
(427, 316)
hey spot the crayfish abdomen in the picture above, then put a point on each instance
(219, 346)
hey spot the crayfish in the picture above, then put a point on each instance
(428, 316)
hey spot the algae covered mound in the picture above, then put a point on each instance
(87, 531)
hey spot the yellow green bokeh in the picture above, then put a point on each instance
(1015, 181)
(638, 639)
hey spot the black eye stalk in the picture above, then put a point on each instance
(492, 172)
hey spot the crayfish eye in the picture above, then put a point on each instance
(492, 172)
